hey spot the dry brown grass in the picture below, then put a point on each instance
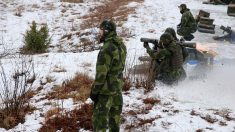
(77, 88)
(141, 123)
(73, 1)
(52, 112)
(10, 120)
(151, 101)
(70, 121)
(114, 9)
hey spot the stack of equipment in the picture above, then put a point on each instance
(205, 24)
(231, 9)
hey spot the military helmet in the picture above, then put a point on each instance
(183, 6)
(166, 39)
(172, 32)
(108, 25)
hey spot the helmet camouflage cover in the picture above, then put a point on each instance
(166, 39)
(172, 32)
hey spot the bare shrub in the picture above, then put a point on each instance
(138, 78)
(70, 121)
(77, 88)
(15, 93)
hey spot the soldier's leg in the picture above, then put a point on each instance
(115, 113)
(100, 113)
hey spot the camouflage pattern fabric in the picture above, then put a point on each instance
(171, 31)
(106, 113)
(166, 72)
(108, 84)
(188, 24)
(109, 67)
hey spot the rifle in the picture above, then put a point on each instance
(226, 29)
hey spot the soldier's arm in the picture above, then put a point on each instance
(102, 67)
(184, 20)
(162, 54)
(150, 52)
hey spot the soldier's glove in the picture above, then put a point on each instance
(94, 97)
(146, 45)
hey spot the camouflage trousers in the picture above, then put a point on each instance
(173, 76)
(107, 113)
(185, 31)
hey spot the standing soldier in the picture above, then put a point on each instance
(187, 25)
(170, 69)
(106, 92)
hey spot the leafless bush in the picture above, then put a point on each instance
(139, 78)
(3, 50)
(15, 92)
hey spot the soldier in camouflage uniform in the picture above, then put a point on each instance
(187, 25)
(172, 32)
(106, 92)
(170, 69)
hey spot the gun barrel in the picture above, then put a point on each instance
(149, 40)
(189, 44)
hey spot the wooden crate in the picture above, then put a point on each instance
(231, 9)
(201, 25)
(203, 13)
(206, 20)
(204, 30)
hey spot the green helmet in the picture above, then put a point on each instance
(166, 39)
(108, 25)
(172, 32)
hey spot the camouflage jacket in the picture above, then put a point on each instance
(187, 20)
(166, 57)
(109, 67)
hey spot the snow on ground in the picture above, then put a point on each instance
(182, 107)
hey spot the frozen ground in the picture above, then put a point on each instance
(182, 107)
